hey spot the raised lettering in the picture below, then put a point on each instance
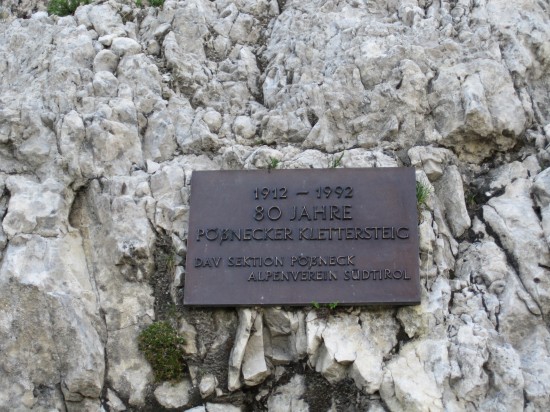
(403, 233)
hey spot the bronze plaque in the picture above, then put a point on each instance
(294, 237)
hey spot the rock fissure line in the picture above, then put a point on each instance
(513, 262)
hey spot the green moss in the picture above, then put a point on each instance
(64, 7)
(156, 3)
(163, 349)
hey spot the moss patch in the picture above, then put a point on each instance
(163, 349)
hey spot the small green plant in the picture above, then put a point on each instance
(162, 346)
(336, 161)
(471, 201)
(273, 163)
(423, 191)
(318, 306)
(139, 3)
(156, 3)
(324, 311)
(64, 7)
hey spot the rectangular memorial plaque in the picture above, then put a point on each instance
(293, 237)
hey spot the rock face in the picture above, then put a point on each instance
(104, 116)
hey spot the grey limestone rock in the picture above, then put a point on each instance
(105, 115)
(254, 367)
(114, 402)
(289, 397)
(105, 60)
(430, 159)
(60, 340)
(222, 407)
(524, 242)
(238, 352)
(173, 395)
(450, 191)
(285, 336)
(208, 385)
(414, 379)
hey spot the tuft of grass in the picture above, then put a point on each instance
(471, 201)
(332, 305)
(423, 191)
(273, 163)
(64, 7)
(336, 161)
(162, 346)
(156, 3)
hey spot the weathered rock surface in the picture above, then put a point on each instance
(289, 397)
(208, 385)
(173, 395)
(105, 115)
